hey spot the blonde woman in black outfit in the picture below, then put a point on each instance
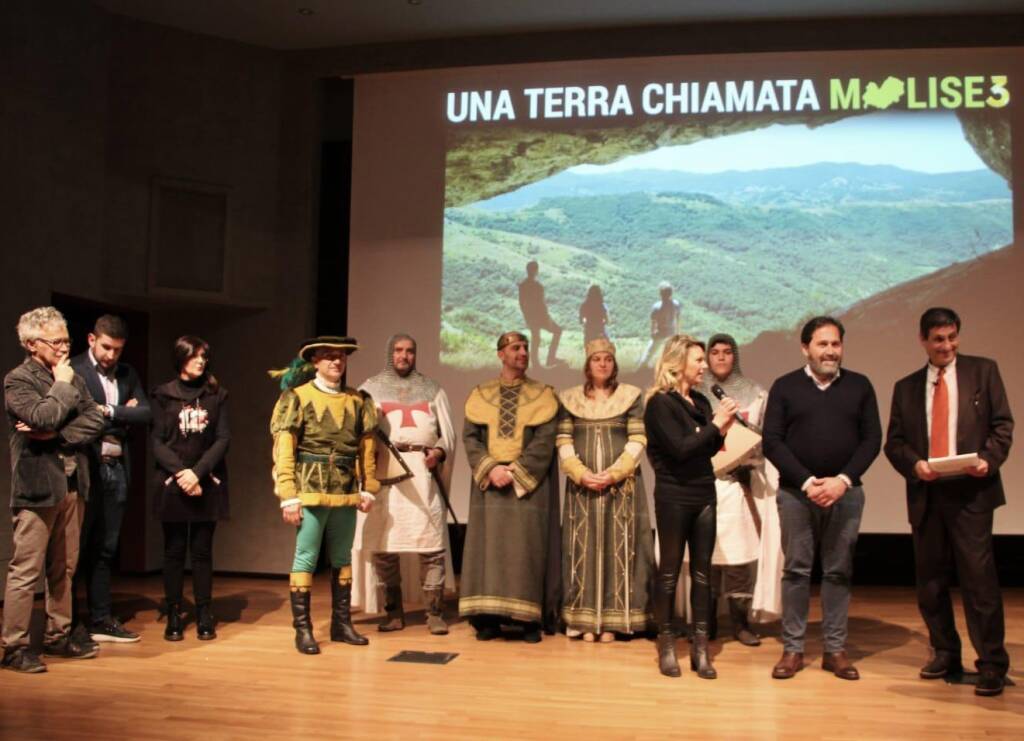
(683, 434)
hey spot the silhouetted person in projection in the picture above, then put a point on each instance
(664, 321)
(535, 312)
(594, 315)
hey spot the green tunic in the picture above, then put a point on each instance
(510, 563)
(323, 446)
(607, 545)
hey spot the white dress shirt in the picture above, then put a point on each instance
(109, 446)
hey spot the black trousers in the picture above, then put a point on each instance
(679, 525)
(951, 536)
(180, 537)
(101, 530)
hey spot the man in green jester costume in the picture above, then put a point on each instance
(323, 471)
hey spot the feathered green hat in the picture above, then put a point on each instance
(301, 369)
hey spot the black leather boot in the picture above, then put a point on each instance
(434, 599)
(305, 643)
(175, 629)
(342, 629)
(700, 659)
(205, 622)
(395, 617)
(713, 617)
(739, 607)
(668, 662)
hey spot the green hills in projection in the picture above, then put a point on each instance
(746, 252)
(825, 182)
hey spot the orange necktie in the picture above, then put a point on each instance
(939, 444)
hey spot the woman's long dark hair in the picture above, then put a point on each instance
(187, 347)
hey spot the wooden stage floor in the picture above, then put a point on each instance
(251, 683)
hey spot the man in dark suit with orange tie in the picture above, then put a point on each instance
(956, 404)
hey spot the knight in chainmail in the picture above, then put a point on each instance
(408, 516)
(745, 563)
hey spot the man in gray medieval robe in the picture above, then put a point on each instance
(510, 568)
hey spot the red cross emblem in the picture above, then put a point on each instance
(407, 409)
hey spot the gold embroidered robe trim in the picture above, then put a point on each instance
(535, 405)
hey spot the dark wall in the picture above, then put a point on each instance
(95, 107)
(52, 154)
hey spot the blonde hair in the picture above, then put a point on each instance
(670, 365)
(32, 323)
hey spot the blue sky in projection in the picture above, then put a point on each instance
(931, 143)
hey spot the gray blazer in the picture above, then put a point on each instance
(38, 473)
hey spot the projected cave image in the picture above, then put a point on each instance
(752, 225)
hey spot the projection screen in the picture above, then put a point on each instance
(744, 192)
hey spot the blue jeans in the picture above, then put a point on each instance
(806, 527)
(101, 531)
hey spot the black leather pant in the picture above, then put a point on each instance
(679, 525)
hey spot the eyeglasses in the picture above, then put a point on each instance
(55, 344)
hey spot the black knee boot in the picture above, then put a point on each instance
(342, 629)
(304, 640)
(664, 593)
(713, 617)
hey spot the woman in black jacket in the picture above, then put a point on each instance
(682, 437)
(190, 440)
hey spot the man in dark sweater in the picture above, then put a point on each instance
(821, 431)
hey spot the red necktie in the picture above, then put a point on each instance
(939, 444)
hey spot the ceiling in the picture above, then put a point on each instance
(279, 24)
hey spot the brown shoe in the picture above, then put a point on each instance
(839, 664)
(790, 663)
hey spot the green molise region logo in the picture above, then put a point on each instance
(930, 93)
(884, 95)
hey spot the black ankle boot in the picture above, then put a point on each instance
(700, 659)
(205, 622)
(342, 629)
(668, 663)
(738, 609)
(175, 629)
(305, 643)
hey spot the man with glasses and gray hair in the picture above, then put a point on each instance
(52, 419)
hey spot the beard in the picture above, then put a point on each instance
(825, 368)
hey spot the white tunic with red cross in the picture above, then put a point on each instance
(409, 517)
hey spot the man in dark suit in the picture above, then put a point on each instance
(116, 388)
(956, 404)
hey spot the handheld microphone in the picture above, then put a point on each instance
(720, 394)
